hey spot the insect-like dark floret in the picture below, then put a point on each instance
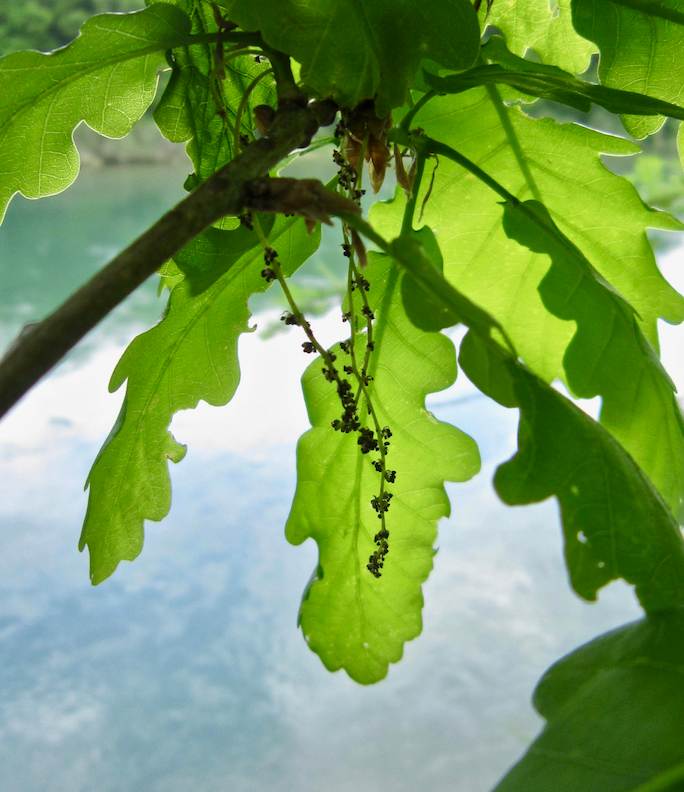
(346, 250)
(289, 318)
(381, 504)
(367, 440)
(270, 255)
(308, 347)
(370, 346)
(346, 316)
(366, 311)
(344, 345)
(268, 274)
(246, 220)
(391, 476)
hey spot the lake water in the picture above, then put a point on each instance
(185, 670)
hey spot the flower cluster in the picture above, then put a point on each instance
(377, 559)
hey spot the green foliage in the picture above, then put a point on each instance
(543, 27)
(349, 48)
(528, 240)
(190, 355)
(352, 620)
(615, 522)
(607, 224)
(107, 78)
(189, 109)
(613, 709)
(548, 82)
(641, 45)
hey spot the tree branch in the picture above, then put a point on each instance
(34, 353)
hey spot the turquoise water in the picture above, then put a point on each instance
(185, 670)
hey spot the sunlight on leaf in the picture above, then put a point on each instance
(640, 47)
(544, 27)
(187, 111)
(190, 355)
(600, 213)
(107, 77)
(351, 619)
(349, 48)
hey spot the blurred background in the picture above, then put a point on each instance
(185, 670)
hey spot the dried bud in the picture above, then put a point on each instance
(403, 179)
(359, 248)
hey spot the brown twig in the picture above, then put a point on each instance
(38, 349)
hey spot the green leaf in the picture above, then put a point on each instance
(421, 308)
(350, 618)
(600, 213)
(556, 86)
(190, 355)
(641, 44)
(355, 49)
(543, 27)
(188, 110)
(608, 355)
(615, 522)
(613, 709)
(107, 77)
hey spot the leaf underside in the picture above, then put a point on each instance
(188, 110)
(543, 27)
(191, 355)
(541, 306)
(360, 49)
(640, 50)
(107, 77)
(616, 523)
(613, 709)
(351, 619)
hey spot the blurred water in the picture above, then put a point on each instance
(185, 670)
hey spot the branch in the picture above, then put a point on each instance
(34, 353)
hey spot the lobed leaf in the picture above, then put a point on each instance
(543, 27)
(613, 709)
(354, 49)
(603, 217)
(616, 524)
(107, 77)
(351, 619)
(190, 355)
(188, 109)
(608, 354)
(641, 43)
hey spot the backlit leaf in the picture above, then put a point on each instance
(191, 355)
(616, 524)
(188, 110)
(107, 77)
(599, 212)
(613, 709)
(553, 84)
(544, 27)
(641, 45)
(350, 618)
(355, 50)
